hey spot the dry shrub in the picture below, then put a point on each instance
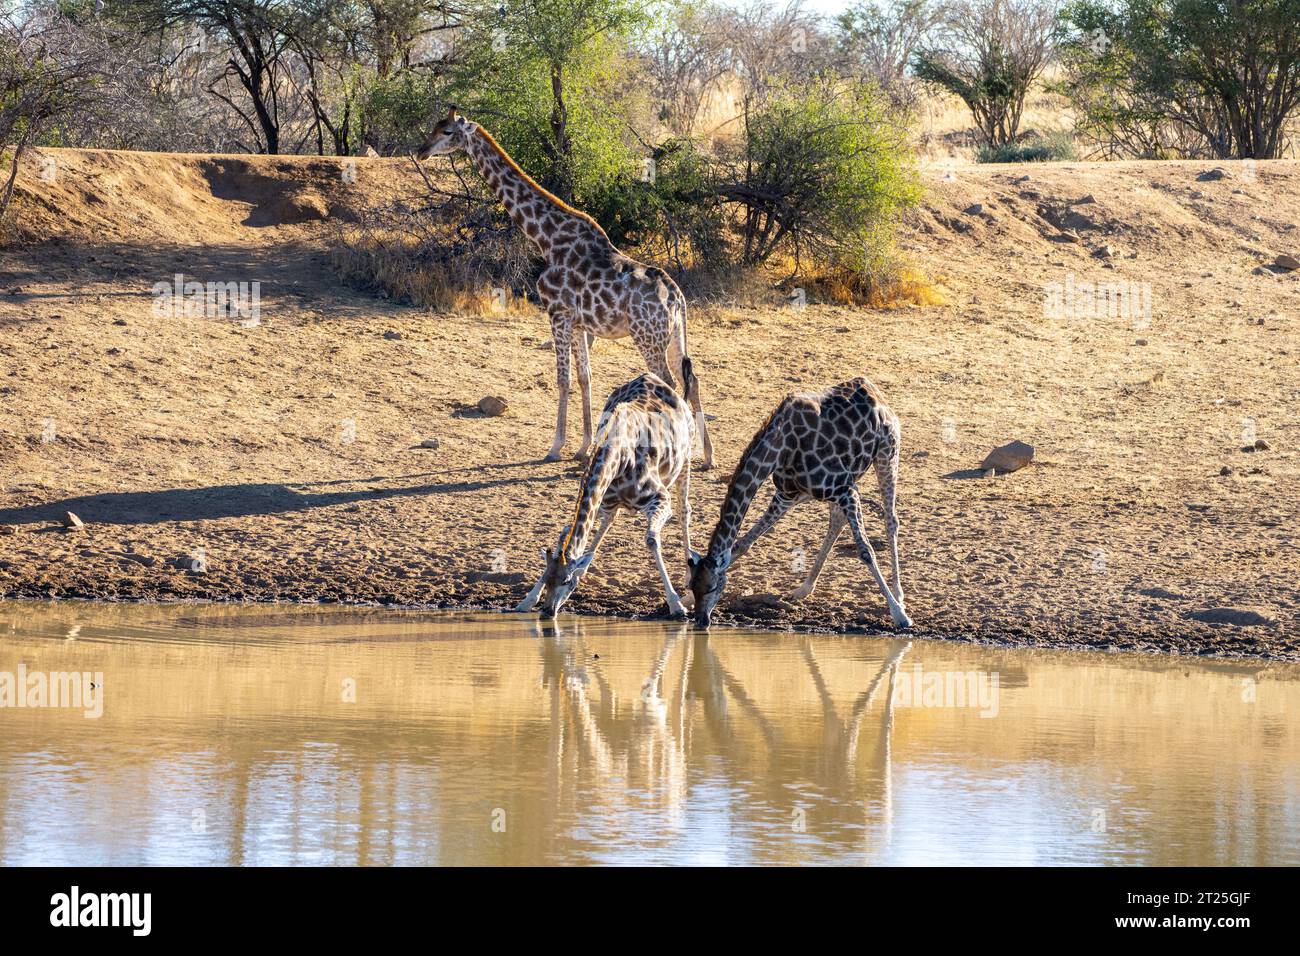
(451, 251)
(889, 289)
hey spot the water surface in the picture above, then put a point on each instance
(278, 735)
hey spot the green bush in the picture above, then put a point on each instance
(1054, 147)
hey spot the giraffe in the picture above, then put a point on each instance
(588, 287)
(814, 445)
(642, 451)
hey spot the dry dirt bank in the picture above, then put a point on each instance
(284, 450)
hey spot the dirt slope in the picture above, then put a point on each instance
(284, 450)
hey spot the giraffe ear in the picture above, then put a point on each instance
(452, 112)
(694, 559)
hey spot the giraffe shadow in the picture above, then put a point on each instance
(963, 473)
(238, 501)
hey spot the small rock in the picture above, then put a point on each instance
(1105, 252)
(1287, 262)
(1212, 175)
(429, 443)
(72, 522)
(1261, 445)
(7, 529)
(492, 406)
(1225, 471)
(119, 321)
(1141, 342)
(1085, 201)
(1009, 457)
(114, 351)
(392, 335)
(370, 151)
(974, 209)
(1068, 237)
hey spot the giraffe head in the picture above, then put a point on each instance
(450, 135)
(708, 578)
(562, 577)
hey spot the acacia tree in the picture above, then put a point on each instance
(821, 173)
(533, 66)
(48, 69)
(878, 39)
(1223, 73)
(258, 35)
(989, 53)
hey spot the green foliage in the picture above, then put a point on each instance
(1154, 77)
(549, 79)
(823, 175)
(1053, 147)
(395, 109)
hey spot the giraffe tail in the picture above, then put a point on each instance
(688, 376)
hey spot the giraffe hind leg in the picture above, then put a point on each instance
(887, 476)
(657, 514)
(832, 535)
(853, 512)
(561, 331)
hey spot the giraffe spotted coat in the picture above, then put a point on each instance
(588, 287)
(641, 455)
(815, 445)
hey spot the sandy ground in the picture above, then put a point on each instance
(213, 460)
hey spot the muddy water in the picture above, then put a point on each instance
(267, 735)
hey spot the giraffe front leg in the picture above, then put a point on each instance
(657, 514)
(852, 508)
(561, 331)
(582, 358)
(776, 509)
(684, 504)
(530, 600)
(832, 535)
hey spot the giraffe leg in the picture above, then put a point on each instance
(776, 509)
(606, 517)
(832, 535)
(530, 600)
(852, 508)
(887, 474)
(657, 513)
(684, 504)
(582, 358)
(561, 332)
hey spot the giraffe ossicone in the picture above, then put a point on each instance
(814, 445)
(589, 289)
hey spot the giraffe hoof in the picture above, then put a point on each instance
(902, 621)
(550, 457)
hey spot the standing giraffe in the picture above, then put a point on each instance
(588, 287)
(814, 445)
(642, 450)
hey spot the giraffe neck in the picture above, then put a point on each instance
(756, 464)
(536, 212)
(601, 469)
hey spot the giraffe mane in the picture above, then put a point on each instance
(545, 193)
